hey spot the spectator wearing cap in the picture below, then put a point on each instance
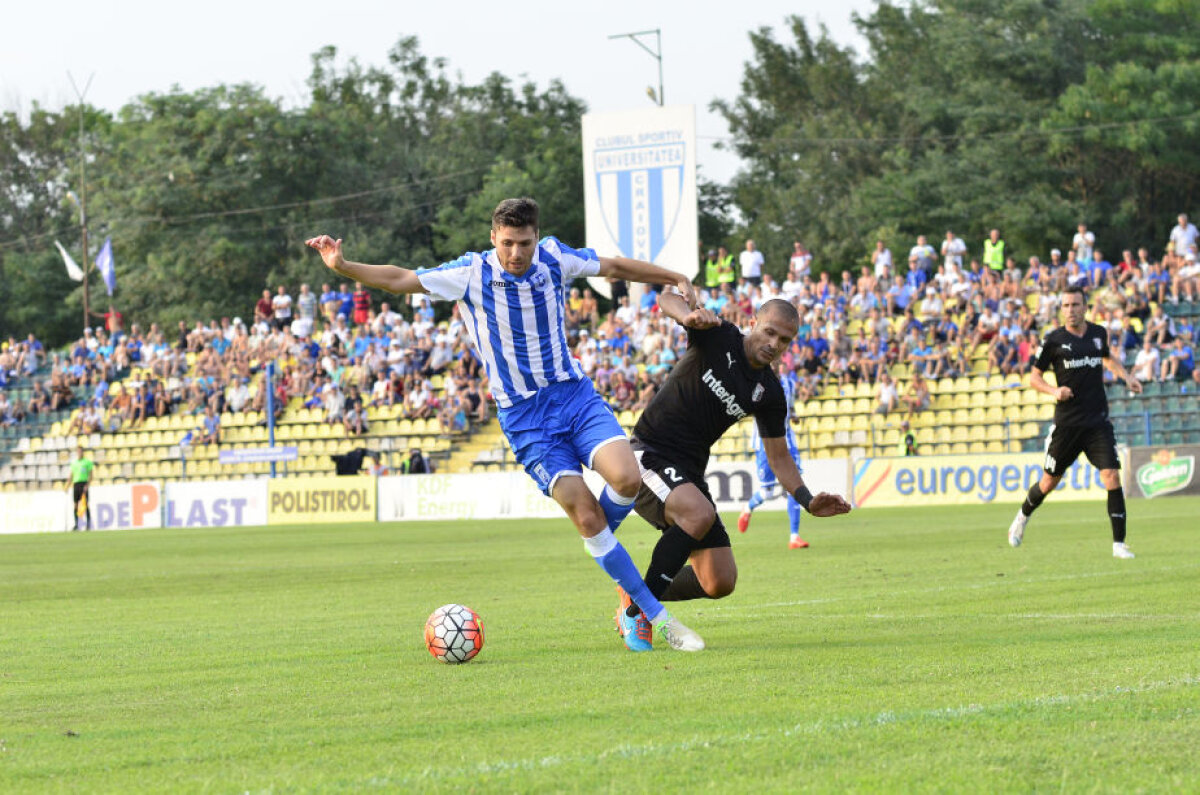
(711, 272)
(726, 271)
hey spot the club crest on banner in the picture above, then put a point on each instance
(640, 189)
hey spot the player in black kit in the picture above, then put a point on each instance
(723, 377)
(1078, 351)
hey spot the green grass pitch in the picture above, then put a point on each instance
(907, 650)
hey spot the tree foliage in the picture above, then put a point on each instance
(208, 195)
(1027, 115)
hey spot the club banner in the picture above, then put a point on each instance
(513, 495)
(35, 512)
(234, 503)
(126, 505)
(492, 495)
(965, 480)
(1159, 471)
(732, 483)
(321, 499)
(640, 187)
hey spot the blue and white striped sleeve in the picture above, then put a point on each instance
(448, 281)
(574, 262)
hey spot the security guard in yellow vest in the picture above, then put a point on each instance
(993, 251)
(726, 272)
(711, 272)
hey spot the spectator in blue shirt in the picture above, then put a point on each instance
(1098, 269)
(347, 299)
(819, 345)
(1179, 365)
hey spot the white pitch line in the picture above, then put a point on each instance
(990, 616)
(818, 727)
(998, 583)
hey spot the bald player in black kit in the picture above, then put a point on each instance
(725, 375)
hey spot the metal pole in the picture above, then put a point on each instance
(270, 387)
(83, 193)
(661, 96)
(656, 54)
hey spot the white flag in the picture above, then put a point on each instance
(72, 269)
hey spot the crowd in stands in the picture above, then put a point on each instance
(337, 352)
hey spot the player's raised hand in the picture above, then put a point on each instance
(687, 291)
(826, 504)
(1063, 393)
(702, 318)
(329, 249)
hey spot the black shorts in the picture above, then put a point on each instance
(659, 478)
(79, 490)
(1065, 443)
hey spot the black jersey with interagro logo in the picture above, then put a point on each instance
(711, 387)
(1078, 363)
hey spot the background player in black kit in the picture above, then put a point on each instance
(723, 377)
(1078, 351)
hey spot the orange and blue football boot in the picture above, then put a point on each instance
(635, 631)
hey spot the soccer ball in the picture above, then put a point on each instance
(454, 633)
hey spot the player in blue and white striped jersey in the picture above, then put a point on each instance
(768, 484)
(513, 299)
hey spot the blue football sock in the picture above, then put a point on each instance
(615, 561)
(756, 500)
(615, 507)
(794, 510)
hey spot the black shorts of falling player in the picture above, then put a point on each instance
(661, 476)
(1065, 443)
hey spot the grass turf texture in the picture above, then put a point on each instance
(906, 650)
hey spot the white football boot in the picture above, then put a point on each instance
(677, 636)
(1122, 551)
(1016, 530)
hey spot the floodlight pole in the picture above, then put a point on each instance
(83, 193)
(656, 53)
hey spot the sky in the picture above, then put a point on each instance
(133, 47)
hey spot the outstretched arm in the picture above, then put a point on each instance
(675, 307)
(636, 270)
(823, 504)
(384, 277)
